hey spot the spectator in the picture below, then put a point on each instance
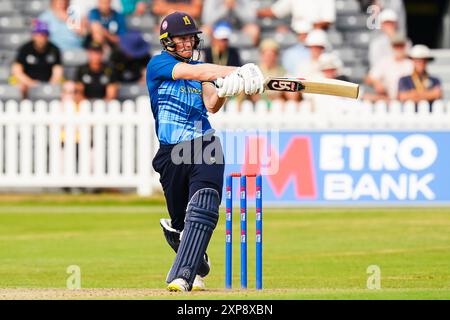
(317, 42)
(66, 31)
(238, 13)
(164, 7)
(269, 52)
(294, 55)
(72, 92)
(134, 7)
(82, 7)
(385, 75)
(220, 52)
(331, 67)
(106, 23)
(97, 80)
(380, 46)
(320, 13)
(131, 58)
(420, 85)
(38, 60)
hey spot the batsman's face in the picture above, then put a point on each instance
(184, 45)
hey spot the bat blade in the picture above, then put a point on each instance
(319, 86)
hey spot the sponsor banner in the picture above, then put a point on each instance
(333, 168)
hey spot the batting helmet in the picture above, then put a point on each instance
(177, 24)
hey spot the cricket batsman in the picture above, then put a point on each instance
(190, 159)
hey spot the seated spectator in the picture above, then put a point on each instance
(269, 52)
(66, 31)
(134, 7)
(38, 60)
(220, 52)
(97, 80)
(320, 13)
(385, 75)
(162, 8)
(82, 7)
(331, 67)
(72, 92)
(380, 46)
(238, 13)
(106, 23)
(317, 42)
(420, 85)
(131, 58)
(294, 55)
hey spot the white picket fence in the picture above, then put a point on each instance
(334, 114)
(105, 145)
(112, 144)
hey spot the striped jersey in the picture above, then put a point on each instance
(177, 105)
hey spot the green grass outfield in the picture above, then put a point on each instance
(321, 253)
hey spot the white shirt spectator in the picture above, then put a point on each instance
(389, 71)
(309, 69)
(82, 7)
(215, 10)
(380, 47)
(311, 11)
(399, 7)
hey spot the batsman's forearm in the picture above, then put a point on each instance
(209, 72)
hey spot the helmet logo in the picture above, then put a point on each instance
(164, 25)
(186, 20)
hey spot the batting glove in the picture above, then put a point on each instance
(253, 79)
(230, 86)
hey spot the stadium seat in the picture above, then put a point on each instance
(240, 40)
(345, 7)
(13, 24)
(249, 55)
(74, 57)
(360, 39)
(9, 92)
(7, 57)
(6, 8)
(351, 22)
(132, 91)
(70, 73)
(347, 55)
(335, 37)
(45, 92)
(269, 24)
(13, 41)
(143, 23)
(36, 7)
(4, 73)
(357, 73)
(284, 39)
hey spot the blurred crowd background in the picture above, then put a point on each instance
(99, 49)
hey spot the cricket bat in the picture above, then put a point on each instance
(319, 86)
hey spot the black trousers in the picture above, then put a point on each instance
(187, 167)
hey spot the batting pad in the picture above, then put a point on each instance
(202, 215)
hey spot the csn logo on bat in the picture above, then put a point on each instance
(357, 167)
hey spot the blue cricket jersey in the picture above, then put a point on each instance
(177, 105)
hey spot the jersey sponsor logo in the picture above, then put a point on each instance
(190, 90)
